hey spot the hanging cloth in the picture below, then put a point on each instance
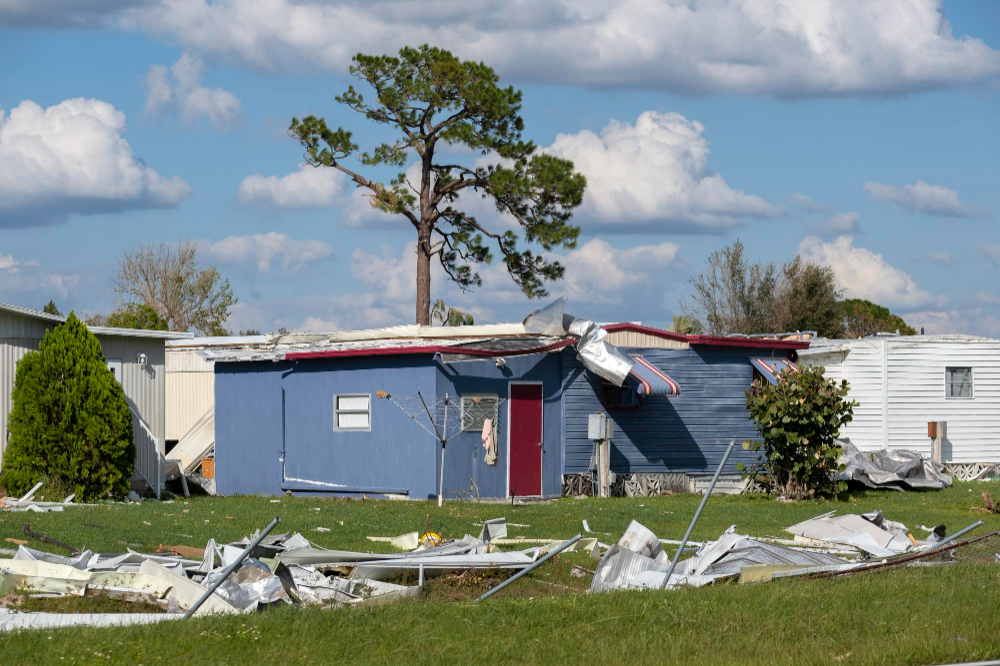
(490, 441)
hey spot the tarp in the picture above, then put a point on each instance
(891, 468)
(770, 368)
(647, 379)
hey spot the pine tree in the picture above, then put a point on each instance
(70, 424)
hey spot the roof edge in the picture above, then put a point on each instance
(708, 340)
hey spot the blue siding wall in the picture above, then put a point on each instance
(464, 456)
(395, 453)
(248, 428)
(688, 433)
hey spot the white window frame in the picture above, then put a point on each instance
(337, 411)
(494, 396)
(972, 382)
(116, 368)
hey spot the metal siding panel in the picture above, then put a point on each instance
(687, 433)
(464, 457)
(144, 389)
(248, 428)
(188, 396)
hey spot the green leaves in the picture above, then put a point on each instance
(799, 419)
(70, 424)
(432, 99)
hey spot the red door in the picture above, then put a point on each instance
(525, 440)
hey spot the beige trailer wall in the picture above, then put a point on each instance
(190, 386)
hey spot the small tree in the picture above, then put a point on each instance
(50, 308)
(133, 315)
(862, 318)
(810, 300)
(799, 419)
(431, 101)
(686, 325)
(170, 281)
(70, 423)
(449, 316)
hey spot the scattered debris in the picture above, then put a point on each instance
(989, 506)
(891, 468)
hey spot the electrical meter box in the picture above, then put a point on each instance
(597, 426)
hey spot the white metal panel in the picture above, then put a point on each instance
(917, 395)
(190, 390)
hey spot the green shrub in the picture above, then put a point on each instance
(799, 419)
(70, 424)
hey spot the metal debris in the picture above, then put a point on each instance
(891, 468)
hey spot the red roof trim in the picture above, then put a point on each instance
(427, 349)
(709, 340)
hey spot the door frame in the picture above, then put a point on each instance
(541, 480)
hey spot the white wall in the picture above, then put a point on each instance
(899, 383)
(190, 390)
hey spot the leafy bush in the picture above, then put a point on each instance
(799, 419)
(70, 424)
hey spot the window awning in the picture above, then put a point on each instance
(770, 368)
(647, 379)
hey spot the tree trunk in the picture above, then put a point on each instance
(424, 278)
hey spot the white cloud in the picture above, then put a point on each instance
(263, 251)
(969, 321)
(599, 273)
(838, 225)
(920, 198)
(866, 274)
(778, 47)
(309, 187)
(942, 258)
(21, 276)
(807, 204)
(72, 158)
(193, 100)
(991, 253)
(656, 171)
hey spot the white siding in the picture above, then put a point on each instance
(143, 384)
(916, 396)
(899, 383)
(190, 390)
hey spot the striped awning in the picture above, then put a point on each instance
(770, 368)
(647, 379)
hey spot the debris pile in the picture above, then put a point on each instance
(257, 572)
(827, 544)
(897, 469)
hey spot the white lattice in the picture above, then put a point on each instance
(970, 471)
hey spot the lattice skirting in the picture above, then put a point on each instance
(971, 471)
(627, 485)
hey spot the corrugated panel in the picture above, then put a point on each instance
(687, 433)
(187, 360)
(12, 350)
(644, 340)
(13, 325)
(188, 396)
(144, 389)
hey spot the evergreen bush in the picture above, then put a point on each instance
(70, 424)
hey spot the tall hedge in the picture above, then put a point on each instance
(70, 424)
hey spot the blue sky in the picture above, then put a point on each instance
(859, 135)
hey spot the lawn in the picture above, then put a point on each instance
(916, 615)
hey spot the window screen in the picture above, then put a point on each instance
(618, 396)
(476, 409)
(958, 382)
(352, 412)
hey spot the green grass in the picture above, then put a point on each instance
(919, 615)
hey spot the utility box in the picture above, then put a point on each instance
(597, 426)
